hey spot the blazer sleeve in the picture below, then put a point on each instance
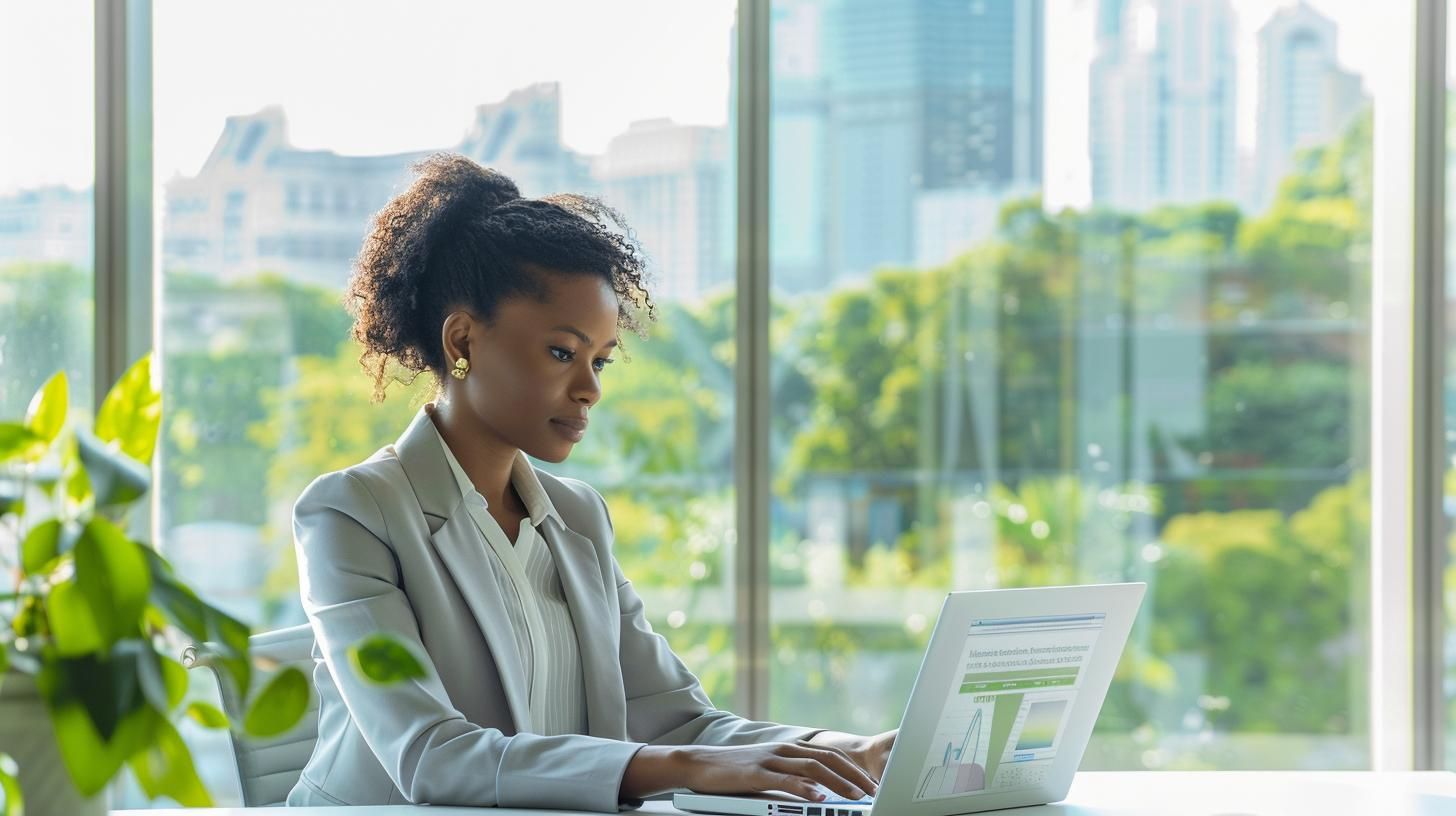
(666, 705)
(350, 583)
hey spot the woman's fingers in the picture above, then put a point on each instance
(816, 771)
(797, 785)
(843, 764)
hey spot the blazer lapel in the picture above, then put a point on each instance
(581, 580)
(462, 550)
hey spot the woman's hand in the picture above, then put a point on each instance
(798, 767)
(869, 753)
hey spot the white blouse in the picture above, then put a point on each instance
(535, 601)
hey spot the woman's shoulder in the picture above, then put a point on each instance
(364, 483)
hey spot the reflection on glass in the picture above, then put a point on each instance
(1047, 313)
(46, 222)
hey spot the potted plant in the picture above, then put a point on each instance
(91, 618)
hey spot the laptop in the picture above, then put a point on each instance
(1000, 713)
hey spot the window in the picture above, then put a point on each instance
(1059, 294)
(262, 385)
(46, 222)
(1057, 360)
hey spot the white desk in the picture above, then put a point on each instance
(1222, 793)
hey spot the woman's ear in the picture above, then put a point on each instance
(455, 336)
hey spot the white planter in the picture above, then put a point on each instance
(26, 735)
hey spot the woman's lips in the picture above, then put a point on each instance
(573, 429)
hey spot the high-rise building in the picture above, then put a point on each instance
(925, 95)
(799, 143)
(1305, 98)
(668, 181)
(1163, 93)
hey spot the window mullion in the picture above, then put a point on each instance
(751, 428)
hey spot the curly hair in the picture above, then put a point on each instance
(463, 235)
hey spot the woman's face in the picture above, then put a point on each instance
(535, 370)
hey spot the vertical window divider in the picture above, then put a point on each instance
(752, 468)
(1393, 298)
(1428, 428)
(122, 199)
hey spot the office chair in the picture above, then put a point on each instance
(267, 768)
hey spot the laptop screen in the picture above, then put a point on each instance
(1002, 722)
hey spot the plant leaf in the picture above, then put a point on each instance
(165, 768)
(73, 627)
(384, 660)
(13, 803)
(207, 715)
(163, 680)
(46, 415)
(111, 571)
(40, 547)
(132, 412)
(76, 692)
(279, 706)
(17, 442)
(12, 500)
(115, 477)
(175, 676)
(180, 604)
(201, 622)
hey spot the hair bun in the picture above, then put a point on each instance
(449, 189)
(459, 186)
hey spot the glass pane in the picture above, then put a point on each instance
(267, 179)
(46, 222)
(1071, 293)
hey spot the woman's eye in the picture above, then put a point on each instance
(561, 354)
(601, 363)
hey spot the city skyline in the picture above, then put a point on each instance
(903, 154)
(194, 90)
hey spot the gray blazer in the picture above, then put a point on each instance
(388, 545)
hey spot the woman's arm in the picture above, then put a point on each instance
(799, 768)
(694, 745)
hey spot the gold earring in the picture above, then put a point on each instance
(462, 365)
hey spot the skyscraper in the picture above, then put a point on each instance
(799, 143)
(1305, 98)
(668, 181)
(1163, 92)
(925, 95)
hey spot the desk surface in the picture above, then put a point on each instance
(1221, 793)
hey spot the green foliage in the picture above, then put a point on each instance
(12, 803)
(87, 615)
(280, 704)
(131, 413)
(384, 661)
(1292, 416)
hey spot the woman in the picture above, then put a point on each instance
(544, 684)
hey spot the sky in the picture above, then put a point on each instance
(381, 76)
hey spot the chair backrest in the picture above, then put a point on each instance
(267, 768)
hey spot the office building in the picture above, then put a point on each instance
(1163, 103)
(1305, 97)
